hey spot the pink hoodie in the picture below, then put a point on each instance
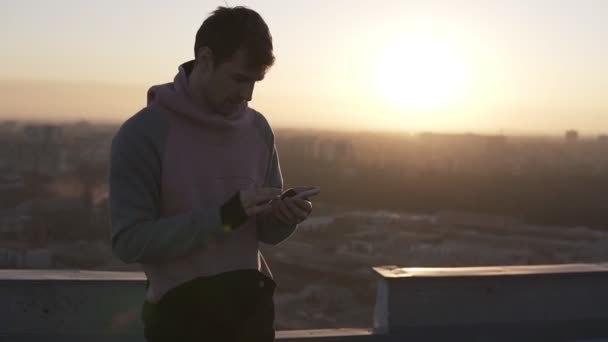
(199, 160)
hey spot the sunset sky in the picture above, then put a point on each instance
(488, 66)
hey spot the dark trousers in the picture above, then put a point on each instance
(232, 306)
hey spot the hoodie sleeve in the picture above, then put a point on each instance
(139, 234)
(270, 229)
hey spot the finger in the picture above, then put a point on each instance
(282, 206)
(267, 194)
(287, 214)
(297, 212)
(254, 201)
(252, 211)
(305, 205)
(275, 203)
(282, 217)
(294, 208)
(265, 202)
(280, 210)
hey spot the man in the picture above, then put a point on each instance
(194, 187)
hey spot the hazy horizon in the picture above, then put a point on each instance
(465, 66)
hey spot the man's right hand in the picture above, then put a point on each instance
(257, 200)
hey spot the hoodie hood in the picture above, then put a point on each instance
(175, 98)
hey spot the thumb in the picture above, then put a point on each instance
(252, 211)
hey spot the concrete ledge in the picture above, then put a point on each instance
(71, 338)
(330, 335)
(70, 302)
(67, 275)
(391, 272)
(508, 303)
(321, 335)
(523, 303)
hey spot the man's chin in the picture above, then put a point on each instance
(231, 108)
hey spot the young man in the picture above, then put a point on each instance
(194, 187)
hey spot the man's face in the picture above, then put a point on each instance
(229, 85)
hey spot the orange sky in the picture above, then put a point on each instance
(521, 66)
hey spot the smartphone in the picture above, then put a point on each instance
(291, 193)
(288, 193)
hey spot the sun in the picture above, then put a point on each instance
(420, 73)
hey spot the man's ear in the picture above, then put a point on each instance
(204, 58)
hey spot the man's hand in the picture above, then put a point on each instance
(292, 211)
(257, 200)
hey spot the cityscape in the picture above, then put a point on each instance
(424, 199)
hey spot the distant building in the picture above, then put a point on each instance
(10, 258)
(83, 125)
(344, 150)
(14, 223)
(8, 125)
(8, 150)
(37, 150)
(12, 227)
(301, 146)
(495, 143)
(40, 258)
(571, 136)
(335, 150)
(93, 149)
(326, 151)
(43, 133)
(10, 181)
(38, 157)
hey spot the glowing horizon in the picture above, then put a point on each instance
(432, 65)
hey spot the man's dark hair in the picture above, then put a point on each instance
(230, 28)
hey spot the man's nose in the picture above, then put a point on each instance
(247, 91)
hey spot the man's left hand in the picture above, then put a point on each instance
(292, 211)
